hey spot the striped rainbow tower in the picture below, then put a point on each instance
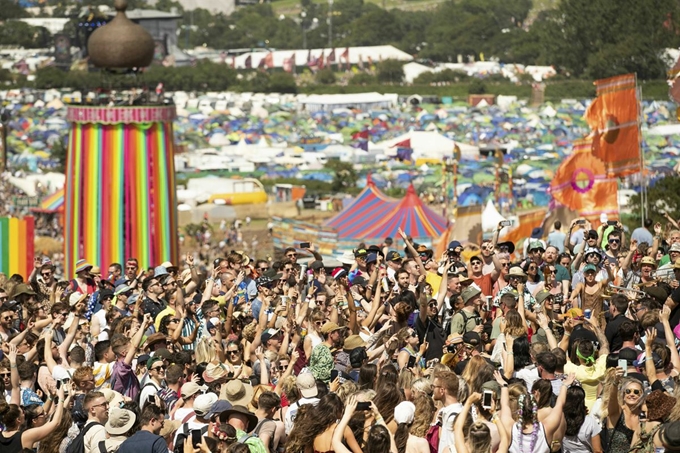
(120, 199)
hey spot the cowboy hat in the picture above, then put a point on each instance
(241, 410)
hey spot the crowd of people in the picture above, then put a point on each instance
(569, 344)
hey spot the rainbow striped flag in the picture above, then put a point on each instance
(17, 238)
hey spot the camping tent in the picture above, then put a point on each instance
(412, 216)
(429, 144)
(367, 209)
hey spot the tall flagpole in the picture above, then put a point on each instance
(643, 185)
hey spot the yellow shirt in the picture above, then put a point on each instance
(434, 280)
(589, 377)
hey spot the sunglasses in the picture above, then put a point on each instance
(505, 264)
(292, 254)
(432, 305)
(264, 268)
(614, 241)
(235, 351)
(4, 375)
(283, 367)
(633, 391)
(158, 368)
(46, 274)
(413, 334)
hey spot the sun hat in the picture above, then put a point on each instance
(507, 244)
(82, 265)
(120, 421)
(169, 427)
(404, 412)
(517, 271)
(214, 372)
(241, 410)
(76, 297)
(347, 258)
(237, 392)
(23, 288)
(353, 342)
(542, 295)
(203, 403)
(536, 245)
(168, 265)
(648, 260)
(95, 270)
(122, 288)
(674, 247)
(537, 233)
(112, 397)
(307, 385)
(160, 271)
(330, 327)
(470, 293)
(155, 338)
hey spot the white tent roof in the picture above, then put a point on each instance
(490, 217)
(429, 144)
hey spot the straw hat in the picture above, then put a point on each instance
(237, 392)
(517, 272)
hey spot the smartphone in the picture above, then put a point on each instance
(623, 364)
(487, 396)
(151, 399)
(196, 436)
(506, 223)
(304, 245)
(612, 222)
(580, 222)
(487, 304)
(59, 385)
(411, 362)
(334, 374)
(366, 406)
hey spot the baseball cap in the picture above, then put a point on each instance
(453, 245)
(307, 385)
(393, 256)
(268, 334)
(404, 412)
(360, 252)
(203, 403)
(218, 407)
(589, 268)
(473, 339)
(190, 388)
(316, 265)
(371, 258)
(476, 257)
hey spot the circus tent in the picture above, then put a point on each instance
(368, 208)
(412, 216)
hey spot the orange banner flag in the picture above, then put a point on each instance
(613, 117)
(581, 182)
(526, 222)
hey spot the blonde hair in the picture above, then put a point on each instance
(422, 386)
(205, 352)
(346, 390)
(425, 410)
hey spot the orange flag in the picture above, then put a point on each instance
(581, 182)
(526, 222)
(613, 117)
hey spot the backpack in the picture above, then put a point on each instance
(466, 318)
(183, 434)
(77, 445)
(256, 433)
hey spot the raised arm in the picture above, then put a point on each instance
(137, 339)
(14, 375)
(461, 419)
(656, 242)
(33, 435)
(413, 252)
(601, 337)
(339, 433)
(544, 323)
(670, 219)
(506, 413)
(664, 316)
(649, 360)
(554, 418)
(195, 279)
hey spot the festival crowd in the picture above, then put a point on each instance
(568, 344)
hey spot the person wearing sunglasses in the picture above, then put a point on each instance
(612, 247)
(7, 329)
(156, 369)
(626, 402)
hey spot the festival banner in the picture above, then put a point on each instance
(526, 222)
(613, 117)
(17, 238)
(581, 182)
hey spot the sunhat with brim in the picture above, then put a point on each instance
(120, 421)
(185, 276)
(509, 245)
(542, 295)
(517, 272)
(169, 427)
(347, 258)
(96, 271)
(74, 298)
(214, 372)
(648, 260)
(168, 265)
(239, 409)
(160, 272)
(121, 289)
(82, 265)
(112, 397)
(23, 288)
(659, 405)
(592, 251)
(237, 392)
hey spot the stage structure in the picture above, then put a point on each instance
(120, 199)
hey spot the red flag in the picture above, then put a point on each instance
(402, 144)
(363, 134)
(613, 116)
(268, 60)
(248, 64)
(288, 63)
(331, 57)
(345, 56)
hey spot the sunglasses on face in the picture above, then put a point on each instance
(633, 391)
(6, 317)
(505, 264)
(46, 274)
(291, 255)
(234, 351)
(159, 368)
(4, 375)
(264, 268)
(283, 367)
(432, 305)
(614, 241)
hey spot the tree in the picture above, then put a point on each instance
(282, 82)
(325, 76)
(344, 176)
(477, 87)
(662, 197)
(391, 71)
(14, 32)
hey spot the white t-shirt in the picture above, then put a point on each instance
(149, 389)
(582, 442)
(292, 412)
(447, 415)
(529, 374)
(101, 315)
(182, 412)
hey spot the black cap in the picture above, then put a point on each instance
(316, 265)
(104, 293)
(473, 339)
(592, 234)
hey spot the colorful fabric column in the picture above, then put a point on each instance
(17, 238)
(120, 194)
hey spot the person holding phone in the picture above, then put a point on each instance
(156, 369)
